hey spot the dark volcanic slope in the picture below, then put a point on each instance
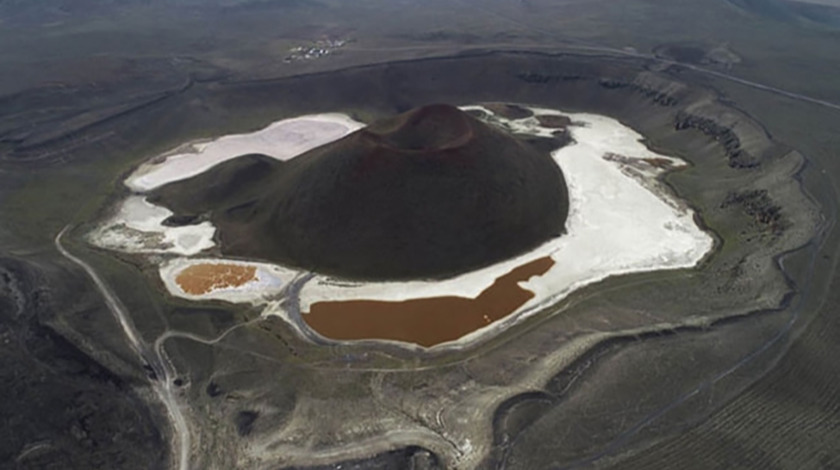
(428, 193)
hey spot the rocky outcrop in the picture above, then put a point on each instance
(757, 204)
(738, 157)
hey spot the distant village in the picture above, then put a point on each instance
(316, 50)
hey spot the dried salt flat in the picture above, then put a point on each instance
(137, 227)
(621, 220)
(281, 140)
(268, 281)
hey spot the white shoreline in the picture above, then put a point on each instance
(137, 227)
(281, 140)
(621, 219)
(679, 243)
(269, 281)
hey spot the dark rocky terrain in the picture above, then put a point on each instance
(83, 415)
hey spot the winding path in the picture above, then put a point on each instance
(162, 383)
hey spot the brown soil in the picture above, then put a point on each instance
(427, 321)
(554, 122)
(662, 163)
(203, 278)
(508, 111)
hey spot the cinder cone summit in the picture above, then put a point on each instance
(429, 193)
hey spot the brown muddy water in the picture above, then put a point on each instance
(427, 321)
(203, 278)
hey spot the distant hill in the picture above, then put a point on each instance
(47, 11)
(429, 193)
(824, 12)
